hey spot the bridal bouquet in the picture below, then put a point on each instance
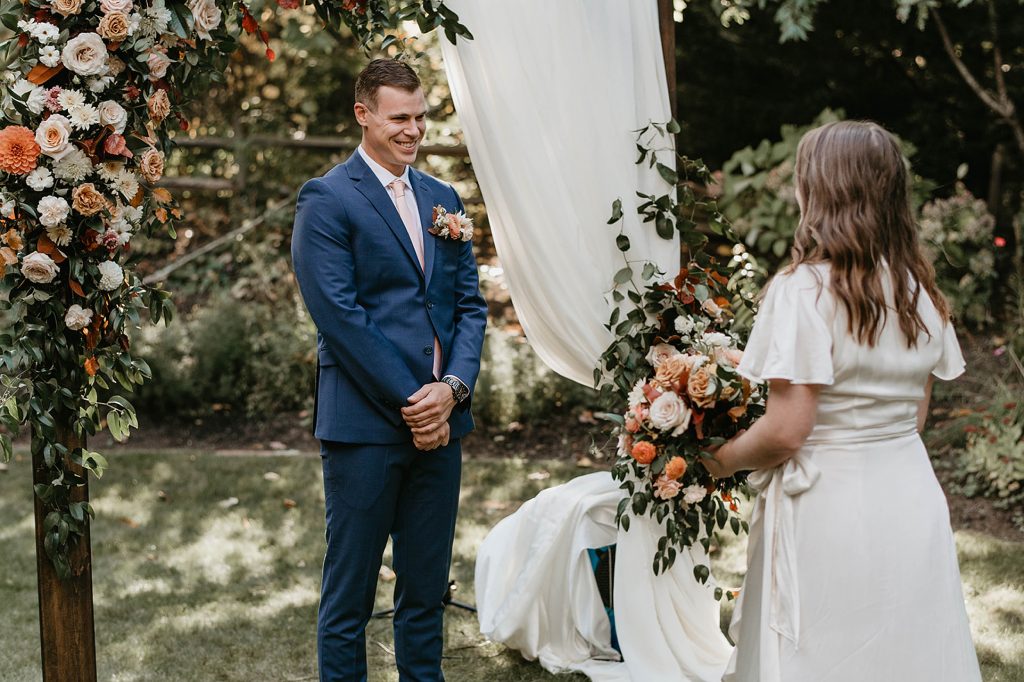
(680, 357)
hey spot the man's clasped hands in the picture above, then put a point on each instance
(427, 415)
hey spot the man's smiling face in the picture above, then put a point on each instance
(393, 129)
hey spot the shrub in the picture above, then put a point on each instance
(515, 385)
(992, 464)
(957, 234)
(251, 357)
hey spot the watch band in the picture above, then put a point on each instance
(459, 390)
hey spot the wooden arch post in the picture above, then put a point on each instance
(66, 630)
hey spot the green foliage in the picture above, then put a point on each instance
(252, 358)
(992, 464)
(516, 386)
(759, 195)
(957, 234)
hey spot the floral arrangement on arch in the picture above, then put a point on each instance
(89, 91)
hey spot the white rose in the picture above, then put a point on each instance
(49, 56)
(207, 17)
(668, 411)
(716, 339)
(39, 268)
(113, 114)
(108, 6)
(692, 494)
(659, 353)
(52, 210)
(86, 55)
(684, 325)
(77, 317)
(53, 137)
(111, 275)
(157, 62)
(39, 179)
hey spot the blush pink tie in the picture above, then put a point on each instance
(409, 220)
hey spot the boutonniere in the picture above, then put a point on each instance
(455, 226)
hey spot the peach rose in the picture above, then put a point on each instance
(207, 16)
(19, 151)
(632, 425)
(114, 26)
(86, 55)
(701, 387)
(673, 371)
(152, 165)
(731, 356)
(666, 488)
(66, 8)
(108, 6)
(660, 352)
(159, 106)
(39, 268)
(54, 137)
(157, 62)
(644, 452)
(87, 200)
(675, 468)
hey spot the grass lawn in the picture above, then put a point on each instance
(207, 568)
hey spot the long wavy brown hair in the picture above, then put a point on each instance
(854, 187)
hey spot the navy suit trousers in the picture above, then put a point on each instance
(373, 492)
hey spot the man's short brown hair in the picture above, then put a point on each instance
(381, 72)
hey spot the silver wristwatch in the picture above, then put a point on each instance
(459, 390)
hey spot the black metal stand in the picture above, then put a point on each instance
(447, 601)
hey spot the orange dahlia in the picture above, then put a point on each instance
(19, 152)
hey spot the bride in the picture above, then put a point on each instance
(852, 571)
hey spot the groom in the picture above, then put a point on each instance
(400, 327)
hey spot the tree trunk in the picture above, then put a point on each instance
(65, 606)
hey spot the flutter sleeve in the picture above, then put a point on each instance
(951, 363)
(791, 338)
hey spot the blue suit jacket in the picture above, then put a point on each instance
(375, 310)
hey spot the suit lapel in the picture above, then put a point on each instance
(366, 182)
(425, 204)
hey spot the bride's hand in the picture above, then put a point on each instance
(718, 464)
(714, 464)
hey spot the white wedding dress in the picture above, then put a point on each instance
(536, 592)
(852, 571)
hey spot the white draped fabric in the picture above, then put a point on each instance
(548, 93)
(536, 592)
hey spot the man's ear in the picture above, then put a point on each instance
(362, 112)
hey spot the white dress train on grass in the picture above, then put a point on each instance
(852, 570)
(536, 592)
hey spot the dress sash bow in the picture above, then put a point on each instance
(778, 487)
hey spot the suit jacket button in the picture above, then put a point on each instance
(428, 350)
(430, 304)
